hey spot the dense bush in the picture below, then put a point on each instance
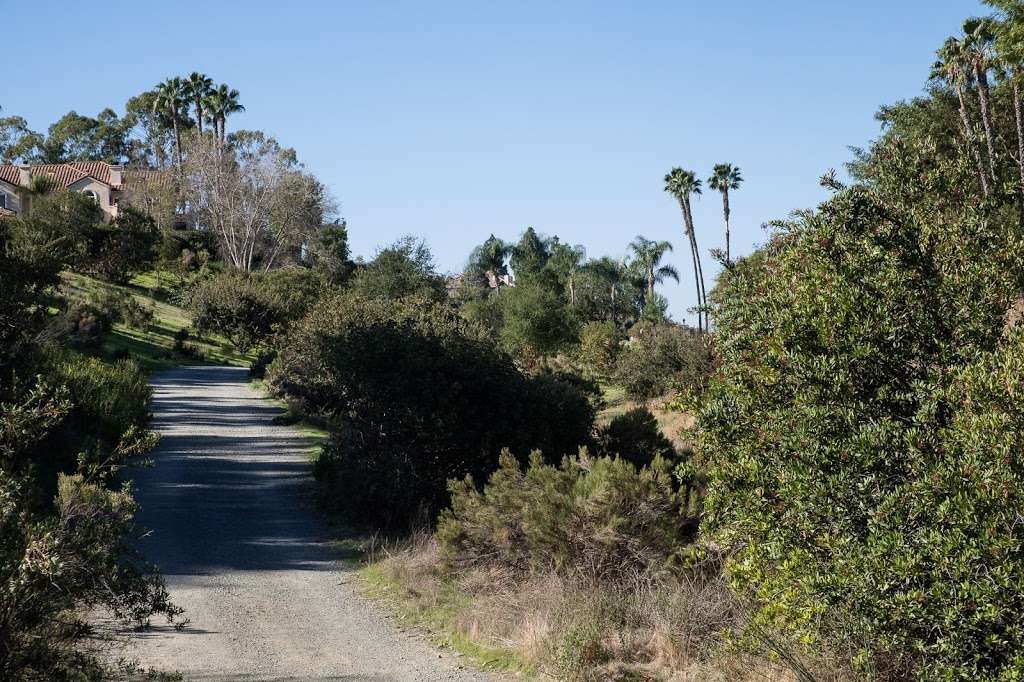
(416, 396)
(536, 320)
(120, 249)
(405, 268)
(865, 430)
(599, 346)
(83, 326)
(601, 517)
(662, 358)
(635, 437)
(238, 306)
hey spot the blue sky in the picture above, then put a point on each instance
(452, 120)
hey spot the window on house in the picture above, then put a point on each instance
(3, 199)
(92, 195)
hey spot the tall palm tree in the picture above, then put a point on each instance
(170, 102)
(954, 68)
(221, 103)
(725, 177)
(681, 185)
(979, 37)
(199, 88)
(647, 255)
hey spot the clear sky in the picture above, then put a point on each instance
(453, 120)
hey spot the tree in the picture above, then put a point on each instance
(1010, 54)
(537, 321)
(613, 276)
(170, 101)
(724, 178)
(221, 102)
(529, 255)
(199, 87)
(489, 260)
(681, 185)
(255, 197)
(566, 261)
(979, 35)
(405, 268)
(16, 139)
(647, 255)
(953, 67)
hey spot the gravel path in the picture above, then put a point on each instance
(228, 506)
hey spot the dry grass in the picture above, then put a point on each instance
(639, 629)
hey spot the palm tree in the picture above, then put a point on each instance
(647, 255)
(171, 99)
(954, 68)
(489, 259)
(199, 88)
(979, 36)
(725, 177)
(221, 103)
(681, 185)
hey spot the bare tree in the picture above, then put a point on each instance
(255, 197)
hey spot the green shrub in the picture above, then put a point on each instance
(83, 326)
(601, 517)
(537, 321)
(864, 431)
(635, 437)
(662, 358)
(239, 307)
(120, 249)
(416, 395)
(599, 346)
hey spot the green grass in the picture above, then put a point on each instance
(152, 347)
(437, 619)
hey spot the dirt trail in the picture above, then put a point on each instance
(228, 506)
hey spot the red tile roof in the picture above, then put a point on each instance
(95, 169)
(63, 174)
(10, 174)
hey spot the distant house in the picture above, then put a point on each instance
(106, 184)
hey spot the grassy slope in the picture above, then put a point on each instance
(672, 423)
(153, 347)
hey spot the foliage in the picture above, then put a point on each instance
(599, 516)
(240, 307)
(83, 326)
(123, 248)
(599, 346)
(661, 358)
(635, 437)
(536, 320)
(406, 268)
(415, 395)
(863, 431)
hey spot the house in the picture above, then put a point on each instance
(104, 183)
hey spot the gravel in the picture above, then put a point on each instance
(228, 504)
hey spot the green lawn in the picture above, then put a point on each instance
(152, 347)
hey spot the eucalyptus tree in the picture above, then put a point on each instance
(953, 67)
(199, 87)
(1009, 43)
(725, 177)
(171, 100)
(530, 254)
(978, 41)
(647, 255)
(218, 105)
(614, 276)
(567, 260)
(681, 185)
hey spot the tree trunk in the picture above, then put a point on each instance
(1020, 137)
(965, 120)
(700, 269)
(725, 213)
(199, 115)
(986, 118)
(693, 255)
(177, 138)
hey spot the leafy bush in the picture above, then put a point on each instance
(83, 326)
(122, 248)
(635, 437)
(599, 346)
(416, 396)
(536, 320)
(662, 358)
(602, 517)
(404, 269)
(238, 306)
(863, 434)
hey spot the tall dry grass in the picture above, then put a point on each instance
(640, 627)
